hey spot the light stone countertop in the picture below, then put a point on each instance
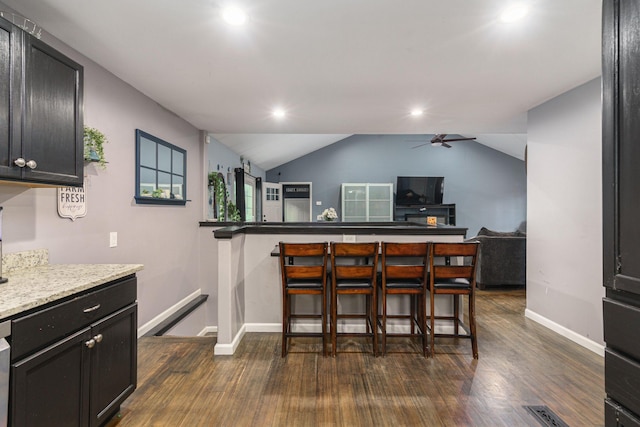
(34, 286)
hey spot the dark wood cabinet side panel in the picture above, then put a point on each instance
(617, 317)
(48, 387)
(617, 416)
(622, 380)
(609, 138)
(5, 94)
(10, 98)
(629, 146)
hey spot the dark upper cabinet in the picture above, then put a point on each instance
(621, 208)
(41, 104)
(621, 144)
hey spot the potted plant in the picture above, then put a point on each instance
(94, 141)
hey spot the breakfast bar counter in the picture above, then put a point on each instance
(248, 277)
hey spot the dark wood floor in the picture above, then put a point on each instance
(180, 383)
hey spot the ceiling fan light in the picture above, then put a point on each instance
(234, 16)
(437, 143)
(513, 13)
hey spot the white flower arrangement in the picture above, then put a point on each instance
(329, 214)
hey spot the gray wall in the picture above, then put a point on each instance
(487, 186)
(163, 238)
(564, 239)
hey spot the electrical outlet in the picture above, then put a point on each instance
(319, 217)
(349, 238)
(113, 239)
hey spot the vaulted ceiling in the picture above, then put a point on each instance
(335, 67)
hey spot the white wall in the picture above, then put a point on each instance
(163, 238)
(564, 214)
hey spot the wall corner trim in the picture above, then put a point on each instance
(229, 349)
(565, 332)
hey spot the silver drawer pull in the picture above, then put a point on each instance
(98, 338)
(90, 309)
(31, 164)
(20, 162)
(90, 343)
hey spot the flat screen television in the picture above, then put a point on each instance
(419, 190)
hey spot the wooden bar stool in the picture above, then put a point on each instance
(353, 272)
(455, 280)
(404, 272)
(303, 267)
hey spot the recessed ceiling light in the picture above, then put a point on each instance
(416, 112)
(279, 113)
(513, 13)
(234, 15)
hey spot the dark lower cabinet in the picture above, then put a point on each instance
(83, 377)
(49, 387)
(617, 416)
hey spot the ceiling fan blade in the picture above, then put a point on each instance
(458, 139)
(444, 144)
(421, 145)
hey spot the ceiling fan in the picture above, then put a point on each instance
(439, 140)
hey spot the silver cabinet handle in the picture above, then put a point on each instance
(31, 164)
(90, 343)
(98, 338)
(90, 309)
(20, 162)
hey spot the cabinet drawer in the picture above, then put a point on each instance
(44, 327)
(617, 333)
(622, 380)
(617, 416)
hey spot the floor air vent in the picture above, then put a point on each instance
(545, 416)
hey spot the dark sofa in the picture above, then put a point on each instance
(502, 258)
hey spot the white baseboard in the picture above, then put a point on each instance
(229, 349)
(167, 313)
(208, 330)
(565, 332)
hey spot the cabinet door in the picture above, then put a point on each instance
(49, 387)
(380, 202)
(10, 100)
(354, 202)
(113, 363)
(53, 127)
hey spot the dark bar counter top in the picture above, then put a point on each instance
(229, 229)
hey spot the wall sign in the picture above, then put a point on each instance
(296, 191)
(72, 202)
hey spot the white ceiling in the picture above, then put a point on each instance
(337, 67)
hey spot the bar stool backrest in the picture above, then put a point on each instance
(407, 260)
(354, 260)
(465, 270)
(310, 261)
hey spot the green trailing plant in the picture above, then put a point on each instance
(94, 141)
(220, 195)
(230, 211)
(233, 212)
